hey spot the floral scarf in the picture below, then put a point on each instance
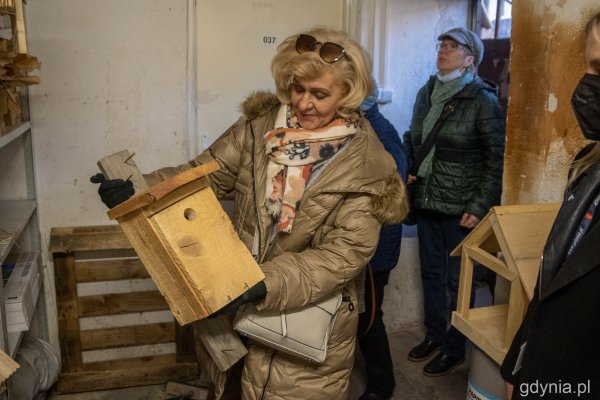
(293, 152)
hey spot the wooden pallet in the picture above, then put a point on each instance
(99, 254)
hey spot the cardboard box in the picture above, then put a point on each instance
(21, 292)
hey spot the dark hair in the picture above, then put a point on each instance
(591, 158)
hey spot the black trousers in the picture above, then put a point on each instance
(373, 343)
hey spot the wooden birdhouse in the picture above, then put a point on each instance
(509, 240)
(188, 244)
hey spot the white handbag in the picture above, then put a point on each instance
(303, 332)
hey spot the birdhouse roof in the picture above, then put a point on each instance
(519, 232)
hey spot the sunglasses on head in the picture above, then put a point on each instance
(329, 52)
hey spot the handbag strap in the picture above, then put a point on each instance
(426, 147)
(373, 311)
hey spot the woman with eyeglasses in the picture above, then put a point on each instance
(312, 186)
(454, 182)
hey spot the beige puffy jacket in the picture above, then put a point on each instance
(335, 234)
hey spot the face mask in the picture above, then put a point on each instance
(457, 73)
(586, 105)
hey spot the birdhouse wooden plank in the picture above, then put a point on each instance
(121, 165)
(509, 240)
(188, 244)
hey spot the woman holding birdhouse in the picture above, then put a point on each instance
(312, 186)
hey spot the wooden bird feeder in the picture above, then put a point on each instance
(509, 240)
(188, 244)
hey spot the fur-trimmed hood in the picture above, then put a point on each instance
(391, 205)
(258, 103)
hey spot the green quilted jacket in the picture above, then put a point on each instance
(469, 153)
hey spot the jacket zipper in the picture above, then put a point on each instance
(254, 194)
(262, 396)
(259, 242)
(540, 277)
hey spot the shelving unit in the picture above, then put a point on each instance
(19, 231)
(18, 226)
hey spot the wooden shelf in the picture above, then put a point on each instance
(15, 133)
(14, 215)
(485, 326)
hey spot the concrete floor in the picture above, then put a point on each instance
(411, 384)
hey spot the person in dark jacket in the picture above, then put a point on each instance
(372, 337)
(555, 354)
(455, 185)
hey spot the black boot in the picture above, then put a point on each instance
(423, 351)
(441, 364)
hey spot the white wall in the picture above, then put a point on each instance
(234, 60)
(412, 30)
(113, 76)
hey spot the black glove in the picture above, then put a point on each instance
(255, 293)
(113, 191)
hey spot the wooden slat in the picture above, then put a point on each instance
(130, 363)
(477, 236)
(491, 262)
(120, 303)
(68, 312)
(120, 165)
(517, 306)
(176, 195)
(485, 326)
(465, 285)
(20, 27)
(161, 189)
(183, 178)
(110, 270)
(136, 335)
(7, 366)
(220, 341)
(106, 237)
(526, 208)
(147, 375)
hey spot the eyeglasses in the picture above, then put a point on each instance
(449, 46)
(329, 52)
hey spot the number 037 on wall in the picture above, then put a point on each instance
(269, 39)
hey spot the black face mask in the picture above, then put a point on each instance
(586, 104)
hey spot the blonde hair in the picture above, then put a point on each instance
(585, 162)
(353, 70)
(593, 157)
